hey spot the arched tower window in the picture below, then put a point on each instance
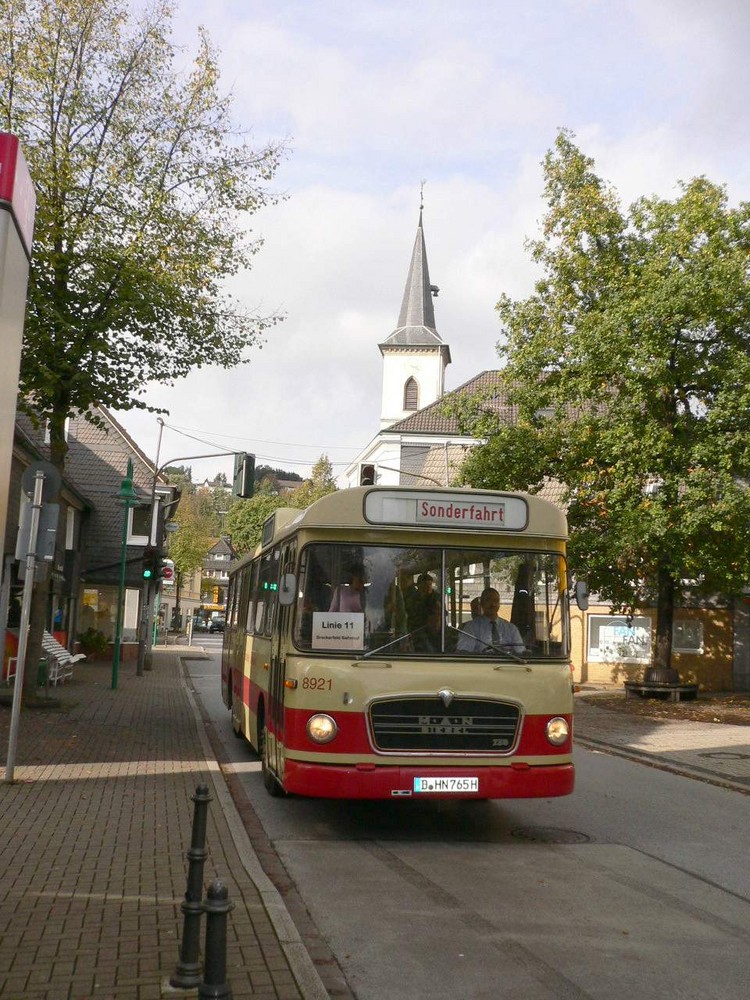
(411, 394)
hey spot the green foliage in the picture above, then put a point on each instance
(244, 522)
(93, 642)
(180, 476)
(143, 195)
(321, 482)
(630, 370)
(189, 545)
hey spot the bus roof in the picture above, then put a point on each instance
(436, 508)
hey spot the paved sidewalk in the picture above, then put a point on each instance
(96, 826)
(708, 751)
(93, 841)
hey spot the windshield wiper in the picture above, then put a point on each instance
(391, 642)
(496, 649)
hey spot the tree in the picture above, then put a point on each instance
(630, 370)
(189, 545)
(180, 476)
(321, 482)
(143, 192)
(244, 522)
(245, 519)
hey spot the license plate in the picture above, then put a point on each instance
(446, 785)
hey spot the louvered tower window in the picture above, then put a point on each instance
(411, 394)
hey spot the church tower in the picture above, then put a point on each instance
(414, 356)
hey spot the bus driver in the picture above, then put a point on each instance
(481, 634)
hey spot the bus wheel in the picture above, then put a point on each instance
(236, 722)
(270, 781)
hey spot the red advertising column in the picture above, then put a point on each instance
(17, 209)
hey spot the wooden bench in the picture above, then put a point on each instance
(676, 692)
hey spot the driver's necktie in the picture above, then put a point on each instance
(495, 633)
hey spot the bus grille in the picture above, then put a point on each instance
(425, 724)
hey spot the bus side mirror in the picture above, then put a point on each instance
(287, 589)
(582, 595)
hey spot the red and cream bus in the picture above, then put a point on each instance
(401, 642)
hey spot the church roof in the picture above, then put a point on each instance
(432, 420)
(416, 320)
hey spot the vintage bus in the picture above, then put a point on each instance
(401, 642)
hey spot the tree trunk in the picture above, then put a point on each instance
(661, 661)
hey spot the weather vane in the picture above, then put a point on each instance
(421, 194)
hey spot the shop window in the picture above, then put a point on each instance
(619, 639)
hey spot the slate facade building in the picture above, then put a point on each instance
(84, 577)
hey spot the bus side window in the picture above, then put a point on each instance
(252, 586)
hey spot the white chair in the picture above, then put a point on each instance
(59, 660)
(11, 674)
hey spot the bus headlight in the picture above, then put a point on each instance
(321, 728)
(558, 731)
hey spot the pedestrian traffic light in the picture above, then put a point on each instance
(244, 475)
(367, 475)
(150, 564)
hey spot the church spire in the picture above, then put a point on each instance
(414, 356)
(417, 308)
(416, 320)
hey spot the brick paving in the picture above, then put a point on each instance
(94, 832)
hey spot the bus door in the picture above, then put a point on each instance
(279, 645)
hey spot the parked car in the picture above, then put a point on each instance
(200, 625)
(217, 625)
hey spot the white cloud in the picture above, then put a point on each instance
(377, 96)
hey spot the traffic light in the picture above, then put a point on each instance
(244, 475)
(367, 475)
(150, 564)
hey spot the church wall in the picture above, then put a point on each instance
(425, 366)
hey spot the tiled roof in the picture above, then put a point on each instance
(432, 419)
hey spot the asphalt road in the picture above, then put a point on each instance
(637, 885)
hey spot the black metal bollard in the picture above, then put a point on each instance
(216, 907)
(188, 971)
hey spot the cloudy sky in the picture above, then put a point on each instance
(376, 96)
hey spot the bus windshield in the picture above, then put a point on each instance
(424, 601)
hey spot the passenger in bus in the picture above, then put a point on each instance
(476, 608)
(481, 634)
(350, 596)
(429, 638)
(421, 601)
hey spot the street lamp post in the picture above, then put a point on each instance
(129, 498)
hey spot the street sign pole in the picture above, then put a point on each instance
(28, 586)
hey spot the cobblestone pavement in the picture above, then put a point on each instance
(708, 751)
(94, 835)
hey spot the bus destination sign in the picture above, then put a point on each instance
(493, 512)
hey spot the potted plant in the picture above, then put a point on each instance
(94, 643)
